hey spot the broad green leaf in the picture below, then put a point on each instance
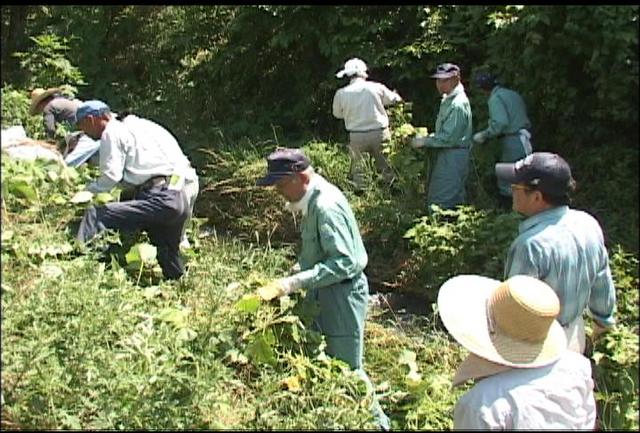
(23, 188)
(81, 197)
(177, 317)
(248, 304)
(142, 252)
(260, 351)
(104, 197)
(186, 334)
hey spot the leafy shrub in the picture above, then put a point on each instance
(461, 241)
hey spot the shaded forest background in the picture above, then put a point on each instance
(238, 74)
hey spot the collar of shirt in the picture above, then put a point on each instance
(303, 204)
(356, 79)
(548, 215)
(456, 90)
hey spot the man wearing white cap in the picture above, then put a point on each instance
(452, 139)
(525, 378)
(144, 156)
(564, 247)
(362, 104)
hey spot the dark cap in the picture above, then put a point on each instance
(484, 80)
(91, 108)
(446, 70)
(544, 171)
(283, 162)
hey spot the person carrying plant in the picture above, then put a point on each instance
(561, 246)
(451, 139)
(142, 155)
(525, 378)
(508, 121)
(331, 261)
(361, 104)
(58, 109)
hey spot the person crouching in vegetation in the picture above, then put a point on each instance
(144, 156)
(563, 247)
(58, 109)
(331, 261)
(525, 376)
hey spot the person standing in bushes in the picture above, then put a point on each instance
(361, 104)
(508, 121)
(559, 245)
(525, 378)
(452, 139)
(145, 156)
(331, 261)
(58, 109)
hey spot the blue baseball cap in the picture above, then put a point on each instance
(91, 108)
(283, 162)
(485, 80)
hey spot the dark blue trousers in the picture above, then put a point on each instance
(159, 211)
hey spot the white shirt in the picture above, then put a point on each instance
(361, 104)
(557, 396)
(135, 150)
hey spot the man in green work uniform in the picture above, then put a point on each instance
(509, 122)
(452, 138)
(331, 261)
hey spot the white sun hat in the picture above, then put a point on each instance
(352, 67)
(510, 323)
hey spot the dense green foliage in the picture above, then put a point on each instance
(98, 342)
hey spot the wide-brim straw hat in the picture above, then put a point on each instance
(510, 323)
(38, 95)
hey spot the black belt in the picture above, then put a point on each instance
(368, 130)
(153, 182)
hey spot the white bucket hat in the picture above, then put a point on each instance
(510, 323)
(38, 95)
(352, 67)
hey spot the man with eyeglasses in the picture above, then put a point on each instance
(561, 246)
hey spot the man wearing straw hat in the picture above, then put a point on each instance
(563, 247)
(525, 378)
(55, 108)
(58, 109)
(331, 261)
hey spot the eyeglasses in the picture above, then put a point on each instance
(520, 186)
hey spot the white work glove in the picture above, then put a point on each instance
(418, 142)
(479, 137)
(279, 287)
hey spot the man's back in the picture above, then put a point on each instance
(512, 105)
(564, 247)
(361, 104)
(557, 396)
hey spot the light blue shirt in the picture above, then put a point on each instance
(565, 248)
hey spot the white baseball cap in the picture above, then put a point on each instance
(352, 67)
